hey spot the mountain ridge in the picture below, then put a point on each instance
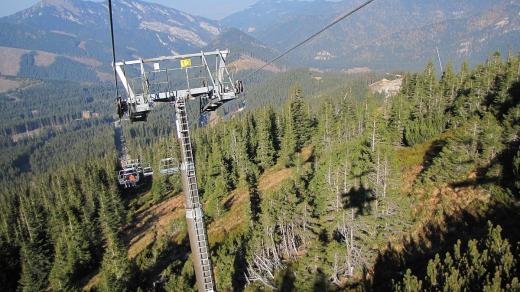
(402, 37)
(376, 39)
(74, 31)
(80, 29)
(90, 21)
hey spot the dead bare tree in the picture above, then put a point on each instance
(268, 258)
(353, 257)
(263, 265)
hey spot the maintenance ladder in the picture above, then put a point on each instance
(193, 199)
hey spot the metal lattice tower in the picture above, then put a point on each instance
(178, 79)
(194, 214)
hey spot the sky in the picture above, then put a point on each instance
(213, 9)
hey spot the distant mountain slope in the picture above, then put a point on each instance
(392, 34)
(69, 39)
(241, 43)
(136, 22)
(246, 51)
(77, 29)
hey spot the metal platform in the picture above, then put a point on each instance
(203, 75)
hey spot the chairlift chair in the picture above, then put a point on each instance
(128, 177)
(169, 166)
(132, 163)
(147, 170)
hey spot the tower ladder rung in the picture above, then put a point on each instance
(199, 235)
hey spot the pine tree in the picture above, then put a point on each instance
(10, 268)
(185, 281)
(36, 263)
(35, 248)
(288, 145)
(72, 256)
(487, 264)
(300, 122)
(115, 268)
(490, 138)
(449, 84)
(516, 169)
(216, 194)
(254, 194)
(266, 152)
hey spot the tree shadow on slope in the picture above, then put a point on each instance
(240, 265)
(149, 276)
(498, 171)
(432, 152)
(130, 194)
(502, 102)
(359, 198)
(440, 238)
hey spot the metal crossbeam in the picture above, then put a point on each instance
(168, 78)
(171, 58)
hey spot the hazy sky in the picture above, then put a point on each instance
(214, 9)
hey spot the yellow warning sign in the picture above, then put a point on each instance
(185, 63)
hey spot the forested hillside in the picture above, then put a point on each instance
(333, 189)
(42, 126)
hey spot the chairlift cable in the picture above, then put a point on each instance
(113, 49)
(339, 19)
(123, 155)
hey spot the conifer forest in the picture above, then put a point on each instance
(316, 191)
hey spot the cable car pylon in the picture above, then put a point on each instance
(177, 80)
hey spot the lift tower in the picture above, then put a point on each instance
(178, 79)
